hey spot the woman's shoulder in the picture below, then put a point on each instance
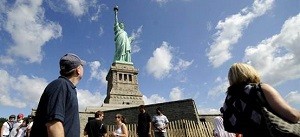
(264, 85)
(266, 88)
(123, 125)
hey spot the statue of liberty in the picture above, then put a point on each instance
(122, 42)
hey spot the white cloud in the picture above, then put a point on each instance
(95, 9)
(176, 94)
(221, 88)
(183, 79)
(103, 74)
(202, 111)
(6, 60)
(101, 31)
(31, 88)
(87, 98)
(20, 91)
(155, 98)
(98, 9)
(77, 7)
(136, 39)
(230, 30)
(293, 98)
(2, 10)
(24, 91)
(182, 65)
(94, 69)
(161, 2)
(160, 64)
(97, 73)
(135, 48)
(29, 30)
(278, 57)
(137, 33)
(208, 26)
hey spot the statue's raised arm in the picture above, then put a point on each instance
(122, 42)
(116, 9)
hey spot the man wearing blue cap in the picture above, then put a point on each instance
(57, 113)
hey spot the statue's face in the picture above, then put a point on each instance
(122, 25)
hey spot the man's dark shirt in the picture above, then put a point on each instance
(143, 123)
(58, 102)
(95, 128)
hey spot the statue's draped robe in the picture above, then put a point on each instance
(122, 43)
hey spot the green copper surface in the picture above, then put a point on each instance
(122, 42)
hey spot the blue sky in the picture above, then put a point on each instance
(183, 48)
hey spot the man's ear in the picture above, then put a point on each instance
(78, 70)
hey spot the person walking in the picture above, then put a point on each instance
(160, 123)
(7, 126)
(95, 127)
(57, 112)
(144, 123)
(121, 129)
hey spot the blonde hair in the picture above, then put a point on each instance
(242, 73)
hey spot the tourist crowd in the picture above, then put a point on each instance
(19, 127)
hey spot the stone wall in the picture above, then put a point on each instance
(175, 110)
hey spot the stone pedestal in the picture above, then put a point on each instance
(122, 86)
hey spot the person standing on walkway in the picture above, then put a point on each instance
(95, 127)
(17, 124)
(219, 130)
(7, 126)
(144, 123)
(21, 130)
(241, 110)
(57, 113)
(160, 123)
(121, 129)
(30, 123)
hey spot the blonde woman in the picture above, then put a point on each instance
(120, 128)
(241, 97)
